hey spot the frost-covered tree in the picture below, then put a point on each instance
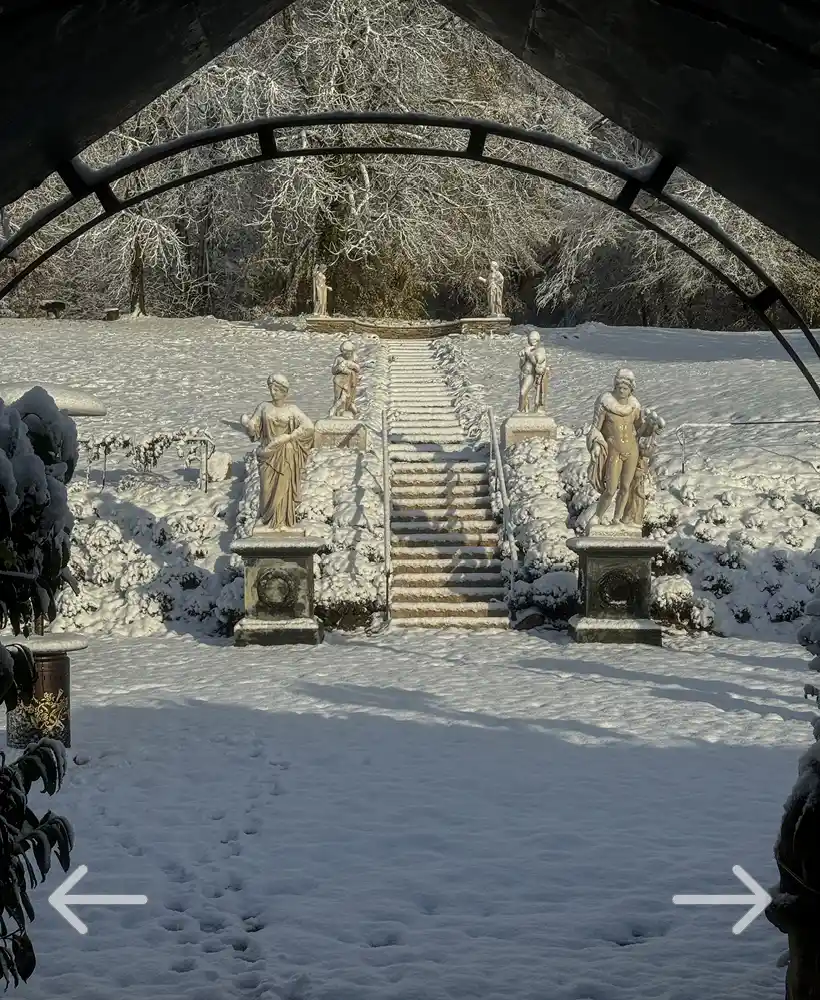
(402, 236)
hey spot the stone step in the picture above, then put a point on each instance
(433, 454)
(446, 595)
(441, 517)
(441, 504)
(413, 409)
(407, 426)
(454, 539)
(424, 418)
(447, 609)
(438, 433)
(455, 578)
(445, 567)
(427, 479)
(446, 555)
(442, 469)
(471, 491)
(477, 624)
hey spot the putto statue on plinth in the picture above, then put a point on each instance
(320, 290)
(495, 290)
(533, 375)
(285, 437)
(346, 371)
(621, 442)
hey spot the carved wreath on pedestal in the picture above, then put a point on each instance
(618, 589)
(276, 592)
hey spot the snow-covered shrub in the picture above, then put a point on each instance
(148, 555)
(38, 455)
(375, 385)
(545, 577)
(469, 400)
(674, 603)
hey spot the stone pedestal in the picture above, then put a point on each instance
(48, 714)
(522, 426)
(485, 325)
(340, 432)
(615, 581)
(279, 605)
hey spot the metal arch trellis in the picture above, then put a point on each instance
(83, 181)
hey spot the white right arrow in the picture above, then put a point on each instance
(60, 900)
(759, 900)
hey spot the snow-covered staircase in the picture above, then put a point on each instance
(446, 564)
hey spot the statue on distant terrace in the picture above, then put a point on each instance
(620, 444)
(320, 290)
(346, 371)
(533, 375)
(495, 289)
(285, 438)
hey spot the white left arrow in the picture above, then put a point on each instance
(757, 901)
(62, 901)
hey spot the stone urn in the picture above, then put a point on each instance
(48, 714)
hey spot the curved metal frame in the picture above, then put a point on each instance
(83, 181)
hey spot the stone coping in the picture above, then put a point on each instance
(624, 545)
(264, 542)
(52, 642)
(409, 329)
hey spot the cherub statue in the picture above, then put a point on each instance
(320, 290)
(533, 375)
(620, 444)
(285, 438)
(346, 371)
(495, 289)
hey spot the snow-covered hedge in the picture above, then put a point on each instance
(546, 576)
(342, 501)
(375, 386)
(148, 555)
(469, 400)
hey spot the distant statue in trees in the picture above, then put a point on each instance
(495, 289)
(346, 371)
(320, 290)
(533, 375)
(285, 438)
(620, 444)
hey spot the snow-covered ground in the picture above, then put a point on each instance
(154, 373)
(435, 816)
(431, 816)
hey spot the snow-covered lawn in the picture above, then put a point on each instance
(154, 373)
(423, 816)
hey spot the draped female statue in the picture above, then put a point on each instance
(320, 290)
(495, 290)
(285, 438)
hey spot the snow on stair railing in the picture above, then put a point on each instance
(680, 432)
(388, 562)
(496, 456)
